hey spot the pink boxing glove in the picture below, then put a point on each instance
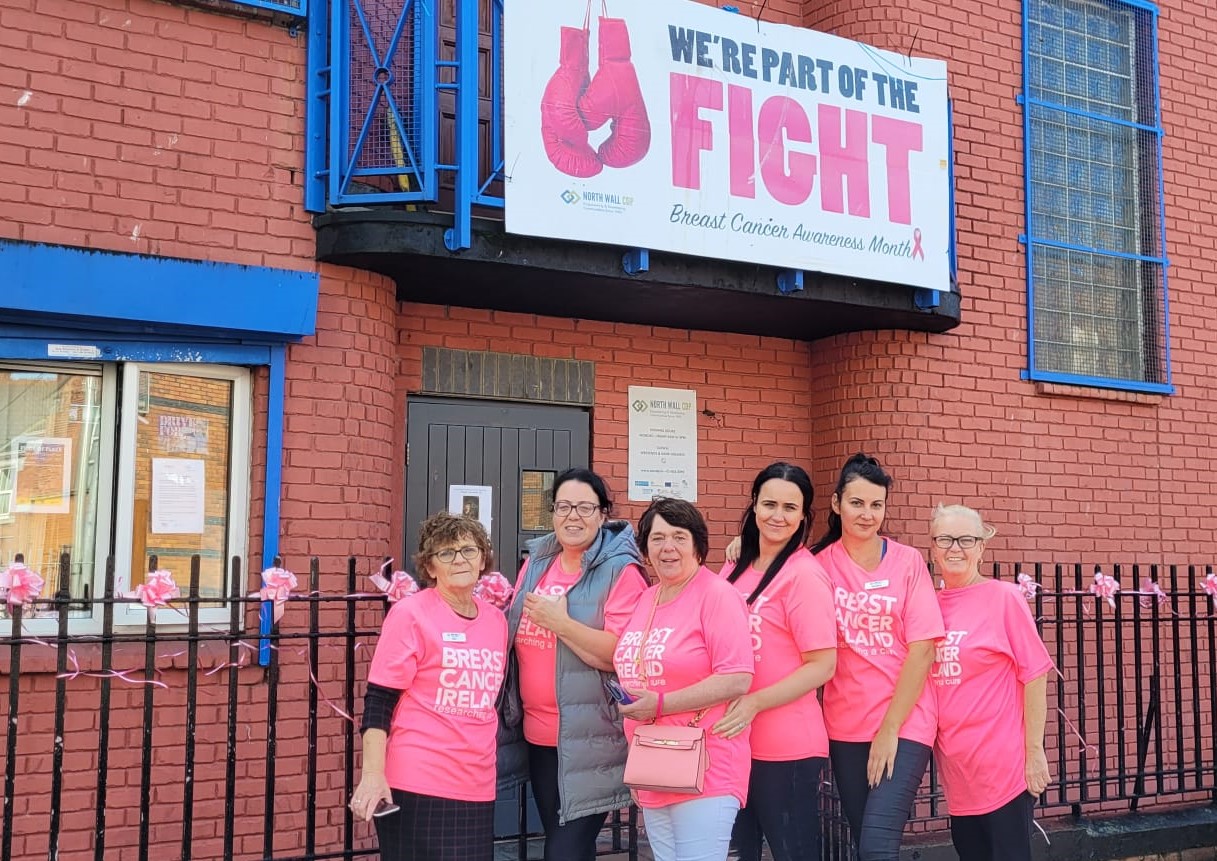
(614, 95)
(562, 129)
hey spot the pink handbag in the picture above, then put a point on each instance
(667, 759)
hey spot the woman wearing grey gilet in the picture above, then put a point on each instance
(579, 586)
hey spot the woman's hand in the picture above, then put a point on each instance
(546, 612)
(1038, 777)
(734, 548)
(882, 761)
(644, 706)
(371, 789)
(740, 713)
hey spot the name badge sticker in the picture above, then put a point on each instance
(454, 637)
(876, 584)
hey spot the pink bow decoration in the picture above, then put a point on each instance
(157, 590)
(396, 586)
(22, 585)
(1028, 586)
(1209, 585)
(1150, 592)
(277, 586)
(495, 589)
(1105, 586)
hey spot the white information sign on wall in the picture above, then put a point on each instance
(663, 443)
(725, 137)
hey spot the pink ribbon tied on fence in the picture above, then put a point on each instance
(20, 585)
(495, 589)
(396, 586)
(1209, 585)
(1028, 586)
(157, 590)
(1105, 586)
(1150, 592)
(277, 586)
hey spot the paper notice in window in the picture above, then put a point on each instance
(178, 497)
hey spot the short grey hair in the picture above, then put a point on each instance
(985, 530)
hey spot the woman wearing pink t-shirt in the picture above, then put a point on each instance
(684, 655)
(877, 708)
(794, 639)
(990, 678)
(429, 718)
(579, 586)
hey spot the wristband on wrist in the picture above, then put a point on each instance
(659, 704)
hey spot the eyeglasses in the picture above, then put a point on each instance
(584, 509)
(965, 542)
(448, 556)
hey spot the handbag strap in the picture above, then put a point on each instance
(639, 664)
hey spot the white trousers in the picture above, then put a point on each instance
(694, 830)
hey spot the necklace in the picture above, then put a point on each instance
(676, 588)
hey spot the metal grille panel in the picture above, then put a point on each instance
(1094, 205)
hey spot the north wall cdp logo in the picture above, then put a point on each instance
(569, 197)
(575, 104)
(640, 406)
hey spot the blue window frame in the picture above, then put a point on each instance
(291, 7)
(1096, 264)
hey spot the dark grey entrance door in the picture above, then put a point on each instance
(514, 449)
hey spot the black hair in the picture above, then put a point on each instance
(591, 479)
(859, 466)
(682, 515)
(750, 533)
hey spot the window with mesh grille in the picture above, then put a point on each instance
(1095, 256)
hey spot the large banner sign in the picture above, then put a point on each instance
(670, 125)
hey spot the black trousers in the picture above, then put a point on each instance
(574, 841)
(436, 829)
(1001, 835)
(783, 810)
(877, 816)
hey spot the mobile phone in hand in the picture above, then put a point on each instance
(384, 807)
(617, 692)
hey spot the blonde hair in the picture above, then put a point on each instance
(986, 531)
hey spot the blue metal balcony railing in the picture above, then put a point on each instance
(378, 94)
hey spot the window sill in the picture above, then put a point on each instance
(1070, 390)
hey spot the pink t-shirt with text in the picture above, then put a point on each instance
(699, 633)
(792, 616)
(990, 652)
(878, 614)
(536, 647)
(449, 670)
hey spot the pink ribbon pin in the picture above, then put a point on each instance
(1105, 586)
(917, 251)
(495, 589)
(157, 590)
(1028, 586)
(277, 586)
(20, 584)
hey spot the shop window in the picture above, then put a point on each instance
(124, 460)
(1095, 254)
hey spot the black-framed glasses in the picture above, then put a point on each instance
(448, 555)
(965, 542)
(584, 509)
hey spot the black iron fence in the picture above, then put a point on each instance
(191, 738)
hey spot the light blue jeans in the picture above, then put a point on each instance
(695, 830)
